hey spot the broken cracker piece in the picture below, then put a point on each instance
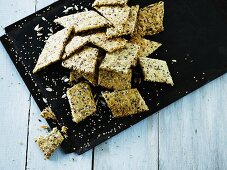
(125, 103)
(84, 63)
(109, 2)
(110, 45)
(53, 49)
(64, 131)
(147, 47)
(150, 20)
(81, 101)
(155, 70)
(47, 113)
(83, 21)
(76, 43)
(50, 143)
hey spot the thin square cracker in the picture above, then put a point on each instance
(129, 25)
(110, 45)
(83, 21)
(118, 16)
(150, 20)
(147, 47)
(155, 70)
(109, 2)
(81, 101)
(114, 80)
(125, 103)
(84, 62)
(50, 143)
(53, 49)
(75, 43)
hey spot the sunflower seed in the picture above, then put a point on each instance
(36, 27)
(63, 96)
(49, 89)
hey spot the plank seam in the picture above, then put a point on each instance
(29, 113)
(93, 158)
(28, 123)
(158, 141)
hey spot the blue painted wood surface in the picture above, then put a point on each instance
(189, 134)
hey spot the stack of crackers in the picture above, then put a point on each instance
(116, 30)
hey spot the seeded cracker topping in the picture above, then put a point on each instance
(150, 19)
(129, 25)
(50, 143)
(47, 113)
(121, 60)
(147, 47)
(84, 63)
(124, 103)
(118, 16)
(109, 2)
(92, 18)
(76, 43)
(155, 70)
(110, 45)
(115, 70)
(74, 76)
(81, 101)
(53, 49)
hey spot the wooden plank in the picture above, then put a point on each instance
(193, 130)
(14, 96)
(35, 158)
(12, 11)
(59, 160)
(135, 148)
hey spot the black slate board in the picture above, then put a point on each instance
(195, 36)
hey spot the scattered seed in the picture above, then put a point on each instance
(63, 96)
(49, 89)
(44, 19)
(45, 100)
(66, 80)
(39, 34)
(36, 27)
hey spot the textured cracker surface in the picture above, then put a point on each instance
(53, 49)
(109, 45)
(121, 60)
(81, 101)
(150, 20)
(84, 63)
(74, 76)
(76, 43)
(126, 102)
(129, 25)
(155, 70)
(115, 80)
(109, 2)
(147, 47)
(118, 16)
(47, 113)
(50, 143)
(92, 18)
